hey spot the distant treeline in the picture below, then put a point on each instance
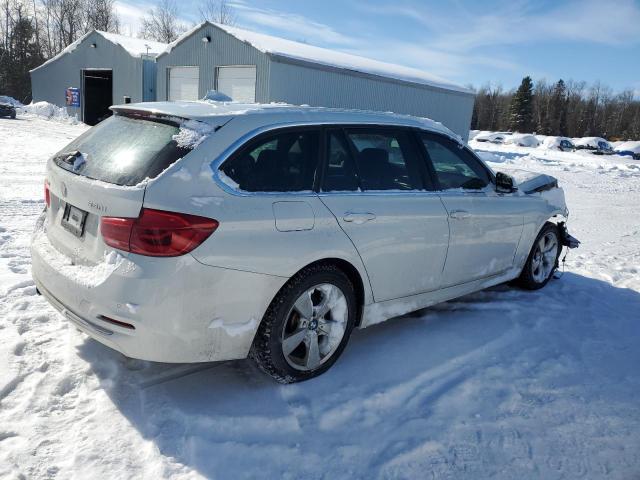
(571, 109)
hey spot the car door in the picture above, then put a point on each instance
(485, 227)
(374, 184)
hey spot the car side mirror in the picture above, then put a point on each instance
(505, 183)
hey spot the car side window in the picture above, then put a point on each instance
(340, 171)
(385, 159)
(282, 162)
(454, 167)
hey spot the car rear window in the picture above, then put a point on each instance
(123, 150)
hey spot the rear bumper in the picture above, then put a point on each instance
(181, 310)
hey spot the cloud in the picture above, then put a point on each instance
(524, 22)
(298, 26)
(130, 16)
(365, 42)
(441, 63)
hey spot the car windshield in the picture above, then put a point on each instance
(122, 150)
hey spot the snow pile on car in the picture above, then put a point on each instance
(192, 133)
(631, 147)
(522, 140)
(590, 142)
(552, 143)
(10, 100)
(49, 111)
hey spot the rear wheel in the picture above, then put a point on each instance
(307, 325)
(543, 259)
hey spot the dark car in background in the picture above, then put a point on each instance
(7, 110)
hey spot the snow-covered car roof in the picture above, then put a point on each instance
(631, 146)
(589, 141)
(552, 142)
(490, 136)
(218, 113)
(522, 139)
(289, 49)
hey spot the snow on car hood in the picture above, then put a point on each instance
(532, 182)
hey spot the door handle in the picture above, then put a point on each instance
(358, 217)
(459, 214)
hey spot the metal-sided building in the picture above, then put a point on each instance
(96, 71)
(252, 67)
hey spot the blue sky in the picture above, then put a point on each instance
(468, 42)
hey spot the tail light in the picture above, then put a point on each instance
(47, 195)
(156, 233)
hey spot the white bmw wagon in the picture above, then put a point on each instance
(203, 231)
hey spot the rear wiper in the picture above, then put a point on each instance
(68, 157)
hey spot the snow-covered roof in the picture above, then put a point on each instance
(136, 47)
(288, 49)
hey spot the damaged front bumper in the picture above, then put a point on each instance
(566, 238)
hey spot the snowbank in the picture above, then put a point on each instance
(49, 111)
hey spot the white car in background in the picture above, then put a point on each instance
(596, 145)
(491, 137)
(631, 149)
(196, 231)
(563, 144)
(522, 140)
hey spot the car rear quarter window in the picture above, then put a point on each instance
(285, 161)
(454, 167)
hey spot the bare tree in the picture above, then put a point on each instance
(101, 15)
(161, 23)
(217, 11)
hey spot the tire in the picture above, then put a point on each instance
(284, 326)
(540, 267)
(13, 115)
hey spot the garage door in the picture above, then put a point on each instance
(239, 83)
(183, 83)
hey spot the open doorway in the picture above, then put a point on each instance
(98, 95)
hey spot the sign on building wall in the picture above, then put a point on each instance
(73, 97)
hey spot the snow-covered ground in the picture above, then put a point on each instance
(504, 383)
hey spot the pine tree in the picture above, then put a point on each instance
(558, 109)
(521, 110)
(23, 55)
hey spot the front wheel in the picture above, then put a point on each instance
(307, 325)
(543, 259)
